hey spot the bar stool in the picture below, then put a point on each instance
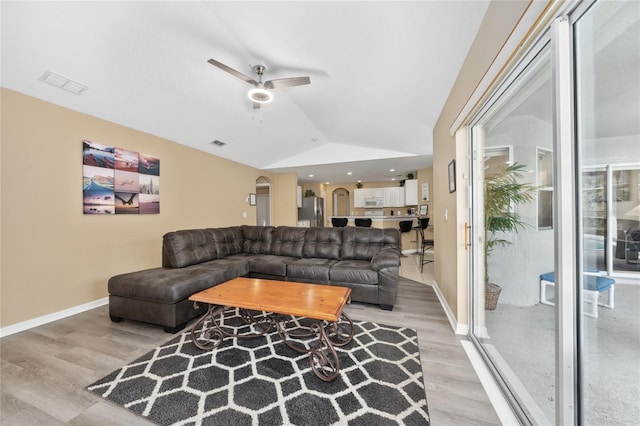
(365, 223)
(425, 244)
(339, 222)
(405, 226)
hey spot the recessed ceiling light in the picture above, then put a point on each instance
(359, 181)
(310, 175)
(349, 173)
(393, 178)
(392, 170)
(326, 183)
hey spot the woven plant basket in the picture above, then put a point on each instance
(492, 292)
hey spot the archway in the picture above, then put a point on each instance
(341, 202)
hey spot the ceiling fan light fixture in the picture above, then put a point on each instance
(260, 95)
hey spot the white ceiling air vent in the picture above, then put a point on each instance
(218, 143)
(63, 83)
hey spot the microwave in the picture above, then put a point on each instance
(373, 202)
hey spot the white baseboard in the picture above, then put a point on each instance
(462, 329)
(498, 401)
(35, 322)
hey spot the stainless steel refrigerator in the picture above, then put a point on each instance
(312, 210)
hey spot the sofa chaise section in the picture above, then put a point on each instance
(189, 264)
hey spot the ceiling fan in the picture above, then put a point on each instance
(261, 92)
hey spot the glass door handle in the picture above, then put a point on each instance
(466, 236)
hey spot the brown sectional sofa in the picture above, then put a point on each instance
(367, 260)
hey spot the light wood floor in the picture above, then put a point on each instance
(43, 371)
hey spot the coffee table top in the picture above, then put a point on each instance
(315, 301)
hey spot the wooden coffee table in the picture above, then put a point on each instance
(281, 301)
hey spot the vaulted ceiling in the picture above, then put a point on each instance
(380, 74)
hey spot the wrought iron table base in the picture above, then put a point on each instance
(322, 354)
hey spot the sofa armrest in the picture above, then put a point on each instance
(387, 263)
(385, 258)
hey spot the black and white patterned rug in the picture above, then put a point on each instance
(263, 382)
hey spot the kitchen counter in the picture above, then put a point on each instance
(409, 239)
(380, 218)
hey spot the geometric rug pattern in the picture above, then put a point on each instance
(262, 381)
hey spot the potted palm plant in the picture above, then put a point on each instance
(502, 191)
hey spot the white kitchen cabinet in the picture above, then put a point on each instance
(358, 197)
(411, 192)
(399, 199)
(368, 192)
(394, 196)
(388, 197)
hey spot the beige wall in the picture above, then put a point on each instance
(450, 270)
(284, 205)
(317, 188)
(425, 176)
(53, 256)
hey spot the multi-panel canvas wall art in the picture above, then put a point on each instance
(118, 181)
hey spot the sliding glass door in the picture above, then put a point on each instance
(562, 334)
(607, 88)
(513, 144)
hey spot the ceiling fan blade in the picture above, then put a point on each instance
(287, 82)
(233, 72)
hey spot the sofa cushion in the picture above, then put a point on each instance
(364, 243)
(228, 241)
(322, 243)
(315, 269)
(270, 265)
(188, 247)
(235, 267)
(353, 271)
(288, 241)
(257, 239)
(166, 285)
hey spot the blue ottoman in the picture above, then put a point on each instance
(593, 285)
